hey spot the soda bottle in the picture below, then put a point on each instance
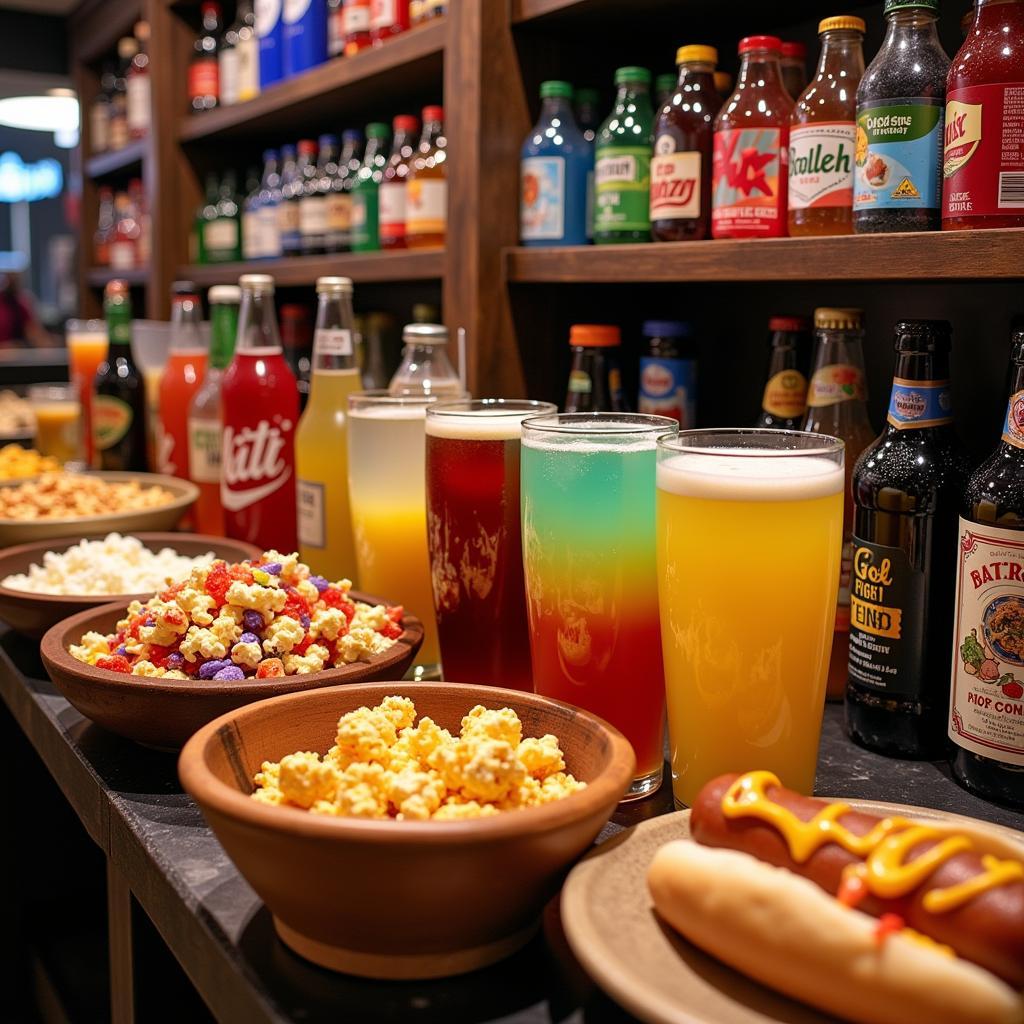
(387, 18)
(393, 184)
(595, 380)
(203, 68)
(793, 63)
(339, 200)
(181, 378)
(425, 365)
(321, 442)
(668, 372)
(204, 414)
(297, 342)
(119, 396)
(784, 402)
(426, 220)
(366, 190)
(260, 405)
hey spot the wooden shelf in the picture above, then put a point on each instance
(363, 268)
(98, 277)
(918, 256)
(104, 164)
(410, 64)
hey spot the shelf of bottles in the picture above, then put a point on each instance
(120, 113)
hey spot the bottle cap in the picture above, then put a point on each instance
(554, 89)
(376, 130)
(352, 135)
(287, 150)
(588, 95)
(632, 74)
(841, 22)
(262, 283)
(433, 113)
(328, 141)
(594, 335)
(115, 288)
(696, 54)
(269, 154)
(406, 123)
(307, 147)
(771, 43)
(425, 334)
(790, 323)
(334, 286)
(838, 319)
(923, 336)
(793, 50)
(902, 5)
(666, 329)
(224, 295)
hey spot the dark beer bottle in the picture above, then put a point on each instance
(907, 486)
(784, 402)
(119, 399)
(986, 720)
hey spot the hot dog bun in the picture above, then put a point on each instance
(787, 933)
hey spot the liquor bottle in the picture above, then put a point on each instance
(321, 442)
(387, 18)
(907, 487)
(204, 413)
(119, 399)
(426, 193)
(784, 402)
(357, 26)
(297, 345)
(339, 201)
(268, 36)
(293, 184)
(260, 411)
(335, 28)
(137, 85)
(99, 112)
(206, 213)
(595, 379)
(124, 242)
(251, 240)
(267, 225)
(393, 183)
(227, 66)
(140, 208)
(304, 33)
(120, 134)
(204, 70)
(837, 405)
(104, 227)
(315, 190)
(986, 714)
(365, 191)
(373, 364)
(223, 239)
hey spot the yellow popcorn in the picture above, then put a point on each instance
(203, 642)
(362, 792)
(248, 655)
(308, 591)
(328, 623)
(452, 810)
(370, 617)
(559, 785)
(360, 643)
(399, 710)
(418, 742)
(303, 779)
(292, 570)
(252, 595)
(146, 668)
(500, 724)
(541, 756)
(196, 604)
(363, 735)
(301, 664)
(94, 645)
(282, 635)
(415, 794)
(481, 769)
(226, 629)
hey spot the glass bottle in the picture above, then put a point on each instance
(556, 164)
(297, 344)
(907, 487)
(426, 194)
(251, 242)
(137, 85)
(664, 86)
(357, 26)
(588, 113)
(206, 212)
(366, 190)
(986, 722)
(313, 204)
(104, 227)
(668, 372)
(119, 133)
(387, 19)
(822, 134)
(291, 197)
(683, 143)
(784, 401)
(393, 183)
(287, 212)
(124, 241)
(751, 147)
(595, 379)
(622, 162)
(269, 234)
(223, 240)
(335, 28)
(900, 104)
(204, 68)
(793, 62)
(837, 405)
(339, 199)
(425, 365)
(374, 369)
(99, 112)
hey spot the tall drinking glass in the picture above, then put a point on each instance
(87, 348)
(58, 412)
(750, 526)
(591, 578)
(386, 480)
(475, 539)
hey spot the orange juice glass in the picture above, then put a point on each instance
(58, 415)
(87, 348)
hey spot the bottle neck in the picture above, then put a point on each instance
(432, 131)
(119, 329)
(911, 26)
(223, 328)
(552, 107)
(922, 366)
(257, 323)
(334, 337)
(842, 55)
(374, 150)
(185, 324)
(633, 96)
(697, 75)
(760, 69)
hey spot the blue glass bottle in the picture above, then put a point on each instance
(556, 161)
(304, 35)
(269, 30)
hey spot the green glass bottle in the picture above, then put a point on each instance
(622, 170)
(365, 199)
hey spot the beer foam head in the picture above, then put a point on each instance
(587, 437)
(744, 474)
(477, 426)
(388, 411)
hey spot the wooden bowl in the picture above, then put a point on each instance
(401, 899)
(165, 712)
(163, 517)
(33, 614)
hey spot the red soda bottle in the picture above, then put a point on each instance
(260, 404)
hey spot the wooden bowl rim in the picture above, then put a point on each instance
(55, 654)
(607, 788)
(165, 538)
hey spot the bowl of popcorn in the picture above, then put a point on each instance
(223, 636)
(406, 830)
(73, 504)
(18, 463)
(45, 582)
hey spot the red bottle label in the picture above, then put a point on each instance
(983, 152)
(203, 79)
(749, 183)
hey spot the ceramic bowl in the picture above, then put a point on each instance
(33, 614)
(165, 712)
(163, 517)
(401, 899)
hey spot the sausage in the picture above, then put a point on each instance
(988, 929)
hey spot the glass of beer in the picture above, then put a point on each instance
(87, 348)
(58, 413)
(475, 539)
(591, 578)
(750, 526)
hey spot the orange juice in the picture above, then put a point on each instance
(87, 348)
(57, 411)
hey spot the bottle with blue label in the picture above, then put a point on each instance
(668, 372)
(556, 164)
(270, 33)
(304, 35)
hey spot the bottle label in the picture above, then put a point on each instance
(248, 69)
(392, 209)
(111, 421)
(268, 16)
(294, 10)
(898, 154)
(785, 395)
(311, 514)
(339, 212)
(747, 183)
(835, 383)
(427, 206)
(668, 387)
(821, 164)
(99, 121)
(333, 341)
(920, 403)
(251, 235)
(254, 463)
(580, 382)
(228, 76)
(622, 189)
(221, 234)
(383, 13)
(675, 182)
(313, 215)
(287, 217)
(887, 603)
(986, 710)
(542, 204)
(121, 255)
(983, 156)
(203, 452)
(138, 104)
(269, 232)
(1013, 425)
(204, 78)
(356, 18)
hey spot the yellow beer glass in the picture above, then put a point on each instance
(750, 526)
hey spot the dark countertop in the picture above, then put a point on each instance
(130, 802)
